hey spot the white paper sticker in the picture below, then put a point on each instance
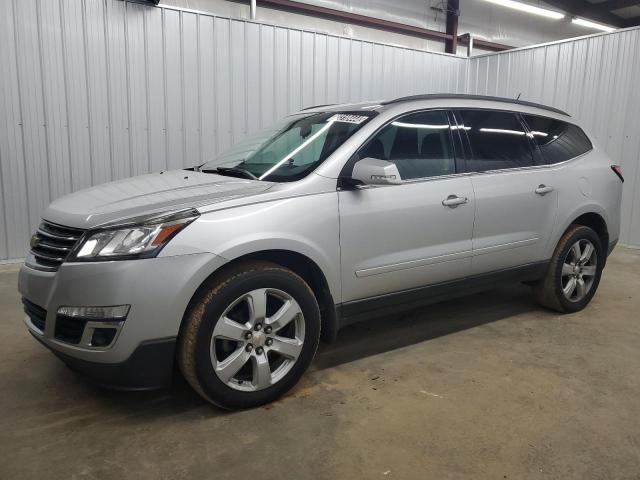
(346, 118)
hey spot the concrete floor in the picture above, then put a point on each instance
(486, 387)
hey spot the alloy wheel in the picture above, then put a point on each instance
(257, 340)
(579, 270)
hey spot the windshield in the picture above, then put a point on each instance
(290, 149)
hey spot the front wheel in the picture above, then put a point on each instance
(249, 336)
(574, 271)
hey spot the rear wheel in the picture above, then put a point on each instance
(249, 336)
(574, 272)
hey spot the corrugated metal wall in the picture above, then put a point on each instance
(96, 90)
(596, 80)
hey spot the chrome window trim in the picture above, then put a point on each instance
(571, 159)
(435, 177)
(417, 180)
(533, 167)
(471, 174)
(514, 169)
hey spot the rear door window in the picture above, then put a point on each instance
(498, 140)
(558, 141)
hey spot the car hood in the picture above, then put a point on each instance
(147, 194)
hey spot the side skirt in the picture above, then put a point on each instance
(382, 305)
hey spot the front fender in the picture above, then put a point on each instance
(306, 225)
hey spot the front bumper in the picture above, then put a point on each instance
(149, 367)
(158, 290)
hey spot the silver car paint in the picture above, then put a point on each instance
(512, 223)
(158, 290)
(366, 242)
(145, 194)
(395, 237)
(280, 220)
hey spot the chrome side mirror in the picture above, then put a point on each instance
(371, 171)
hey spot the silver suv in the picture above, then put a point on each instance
(235, 269)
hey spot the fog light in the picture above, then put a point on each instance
(118, 312)
(90, 327)
(102, 337)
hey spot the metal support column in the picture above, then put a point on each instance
(453, 12)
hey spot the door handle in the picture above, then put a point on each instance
(452, 201)
(543, 189)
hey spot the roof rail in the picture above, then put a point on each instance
(461, 96)
(318, 106)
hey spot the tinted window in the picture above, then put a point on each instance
(419, 144)
(558, 141)
(498, 140)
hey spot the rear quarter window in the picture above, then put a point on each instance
(558, 141)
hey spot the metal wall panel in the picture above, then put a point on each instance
(98, 90)
(595, 79)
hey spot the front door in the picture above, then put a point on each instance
(418, 233)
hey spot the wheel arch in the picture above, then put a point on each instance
(300, 264)
(597, 223)
(592, 217)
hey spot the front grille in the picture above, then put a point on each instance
(36, 314)
(51, 244)
(69, 329)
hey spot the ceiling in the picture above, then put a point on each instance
(617, 13)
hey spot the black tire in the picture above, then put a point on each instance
(548, 291)
(204, 312)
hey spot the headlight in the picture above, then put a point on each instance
(140, 238)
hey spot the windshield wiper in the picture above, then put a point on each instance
(233, 172)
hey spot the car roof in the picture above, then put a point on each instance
(458, 96)
(454, 101)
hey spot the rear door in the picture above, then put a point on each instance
(516, 200)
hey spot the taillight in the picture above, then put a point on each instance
(618, 171)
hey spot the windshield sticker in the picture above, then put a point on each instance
(345, 118)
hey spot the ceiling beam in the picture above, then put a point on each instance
(598, 12)
(349, 17)
(618, 4)
(373, 22)
(145, 2)
(483, 44)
